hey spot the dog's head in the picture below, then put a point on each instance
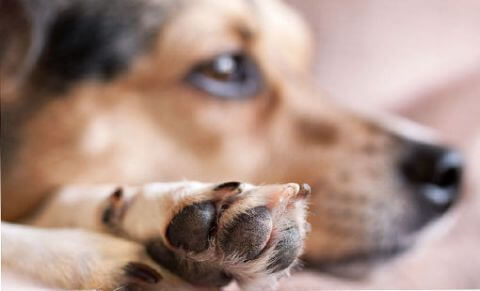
(133, 91)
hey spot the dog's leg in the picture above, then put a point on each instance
(78, 259)
(205, 233)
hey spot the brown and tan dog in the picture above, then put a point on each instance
(129, 92)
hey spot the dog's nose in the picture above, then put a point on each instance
(436, 172)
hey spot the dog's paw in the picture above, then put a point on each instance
(210, 234)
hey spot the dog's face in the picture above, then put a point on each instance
(130, 92)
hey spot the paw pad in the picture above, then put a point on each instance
(248, 234)
(190, 228)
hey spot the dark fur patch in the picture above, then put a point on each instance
(92, 39)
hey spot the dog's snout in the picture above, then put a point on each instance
(435, 172)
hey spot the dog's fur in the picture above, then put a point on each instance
(98, 92)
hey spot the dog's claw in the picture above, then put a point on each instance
(142, 272)
(305, 191)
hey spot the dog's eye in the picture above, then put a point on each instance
(230, 76)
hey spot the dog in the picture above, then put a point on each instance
(100, 96)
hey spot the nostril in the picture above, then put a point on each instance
(436, 174)
(433, 165)
(448, 170)
(447, 178)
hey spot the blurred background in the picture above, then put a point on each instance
(421, 59)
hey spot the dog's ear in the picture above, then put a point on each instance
(23, 27)
(50, 45)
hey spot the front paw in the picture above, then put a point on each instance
(210, 234)
(232, 231)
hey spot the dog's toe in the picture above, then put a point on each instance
(221, 232)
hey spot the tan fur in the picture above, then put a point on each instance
(72, 259)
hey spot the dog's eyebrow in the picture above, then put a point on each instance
(246, 33)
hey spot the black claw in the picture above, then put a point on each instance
(112, 212)
(142, 272)
(228, 186)
(117, 194)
